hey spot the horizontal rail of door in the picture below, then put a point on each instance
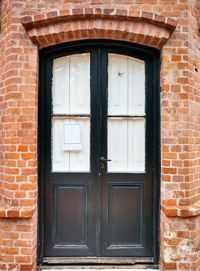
(87, 175)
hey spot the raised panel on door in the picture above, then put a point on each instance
(126, 216)
(70, 215)
(125, 213)
(72, 222)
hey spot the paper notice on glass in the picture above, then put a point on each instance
(72, 137)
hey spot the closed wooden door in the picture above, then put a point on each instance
(98, 156)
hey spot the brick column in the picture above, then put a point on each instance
(18, 143)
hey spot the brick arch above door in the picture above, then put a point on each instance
(60, 26)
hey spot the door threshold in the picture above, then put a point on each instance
(98, 260)
(136, 267)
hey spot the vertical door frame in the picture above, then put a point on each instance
(152, 57)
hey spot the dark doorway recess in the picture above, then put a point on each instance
(92, 210)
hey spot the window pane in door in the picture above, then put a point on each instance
(71, 84)
(126, 85)
(71, 144)
(80, 84)
(60, 91)
(126, 144)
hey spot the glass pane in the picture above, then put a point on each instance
(61, 85)
(71, 144)
(80, 84)
(126, 145)
(71, 84)
(126, 85)
(136, 87)
(117, 84)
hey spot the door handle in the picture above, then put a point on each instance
(103, 164)
(104, 160)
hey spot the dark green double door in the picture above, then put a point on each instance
(98, 107)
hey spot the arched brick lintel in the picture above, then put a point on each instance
(60, 26)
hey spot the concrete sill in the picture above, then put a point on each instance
(15, 212)
(182, 211)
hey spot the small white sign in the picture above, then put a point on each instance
(72, 137)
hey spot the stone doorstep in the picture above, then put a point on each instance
(136, 267)
(95, 269)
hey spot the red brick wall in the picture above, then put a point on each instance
(180, 181)
(180, 113)
(18, 107)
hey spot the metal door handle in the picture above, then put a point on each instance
(103, 164)
(104, 160)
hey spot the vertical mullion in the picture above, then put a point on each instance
(104, 101)
(69, 105)
(95, 139)
(95, 105)
(48, 116)
(127, 154)
(69, 94)
(103, 81)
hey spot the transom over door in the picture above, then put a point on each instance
(98, 156)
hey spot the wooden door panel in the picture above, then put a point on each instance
(126, 225)
(124, 215)
(71, 228)
(71, 213)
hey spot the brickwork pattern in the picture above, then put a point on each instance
(27, 25)
(88, 23)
